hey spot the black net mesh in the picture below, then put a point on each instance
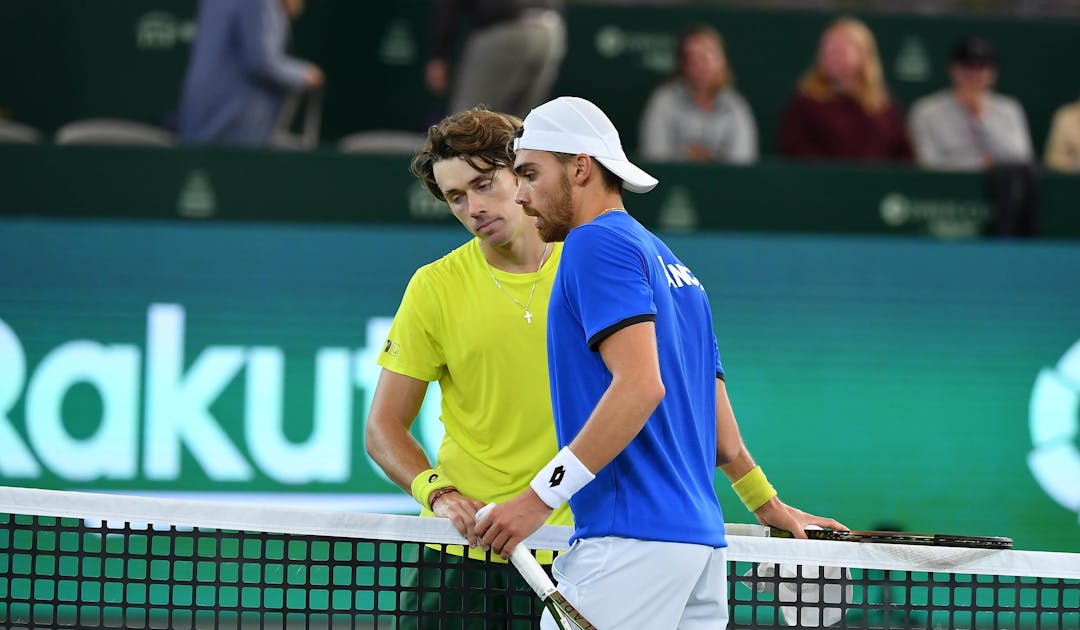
(60, 572)
(774, 595)
(72, 573)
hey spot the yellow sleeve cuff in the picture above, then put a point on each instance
(427, 482)
(754, 489)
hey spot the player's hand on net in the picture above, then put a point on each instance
(776, 513)
(461, 510)
(509, 523)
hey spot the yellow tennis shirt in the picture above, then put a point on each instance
(456, 326)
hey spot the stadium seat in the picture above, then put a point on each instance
(385, 141)
(112, 131)
(14, 132)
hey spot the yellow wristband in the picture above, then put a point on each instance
(427, 482)
(754, 489)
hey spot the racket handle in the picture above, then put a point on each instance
(530, 569)
(525, 563)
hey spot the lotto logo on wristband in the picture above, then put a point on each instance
(560, 479)
(432, 478)
(557, 476)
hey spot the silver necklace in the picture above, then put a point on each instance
(610, 210)
(528, 314)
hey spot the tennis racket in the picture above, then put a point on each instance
(902, 538)
(566, 616)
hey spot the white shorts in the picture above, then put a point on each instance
(625, 583)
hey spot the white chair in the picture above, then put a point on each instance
(18, 133)
(383, 141)
(113, 131)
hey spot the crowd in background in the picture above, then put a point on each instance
(841, 108)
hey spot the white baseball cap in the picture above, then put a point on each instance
(574, 125)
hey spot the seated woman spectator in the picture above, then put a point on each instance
(697, 116)
(842, 109)
(969, 126)
(1063, 145)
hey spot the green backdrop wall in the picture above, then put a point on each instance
(877, 379)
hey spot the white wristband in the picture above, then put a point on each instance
(561, 478)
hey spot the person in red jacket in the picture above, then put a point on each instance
(841, 109)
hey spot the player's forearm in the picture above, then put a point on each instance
(396, 451)
(732, 456)
(635, 390)
(731, 452)
(617, 419)
(394, 406)
(741, 464)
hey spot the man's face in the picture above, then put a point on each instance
(544, 193)
(972, 78)
(483, 202)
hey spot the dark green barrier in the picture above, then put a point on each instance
(905, 380)
(231, 184)
(62, 60)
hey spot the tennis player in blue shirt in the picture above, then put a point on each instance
(641, 410)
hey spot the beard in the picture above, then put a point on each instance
(560, 217)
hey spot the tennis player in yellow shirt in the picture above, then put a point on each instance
(473, 320)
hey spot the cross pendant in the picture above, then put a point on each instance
(527, 316)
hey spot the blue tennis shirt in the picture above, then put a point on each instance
(614, 273)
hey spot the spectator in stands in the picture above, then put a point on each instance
(510, 58)
(969, 126)
(842, 109)
(239, 73)
(1063, 145)
(697, 116)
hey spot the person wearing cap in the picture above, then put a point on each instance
(474, 322)
(969, 126)
(641, 409)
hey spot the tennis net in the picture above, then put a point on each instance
(80, 560)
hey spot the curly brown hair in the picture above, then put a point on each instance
(483, 138)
